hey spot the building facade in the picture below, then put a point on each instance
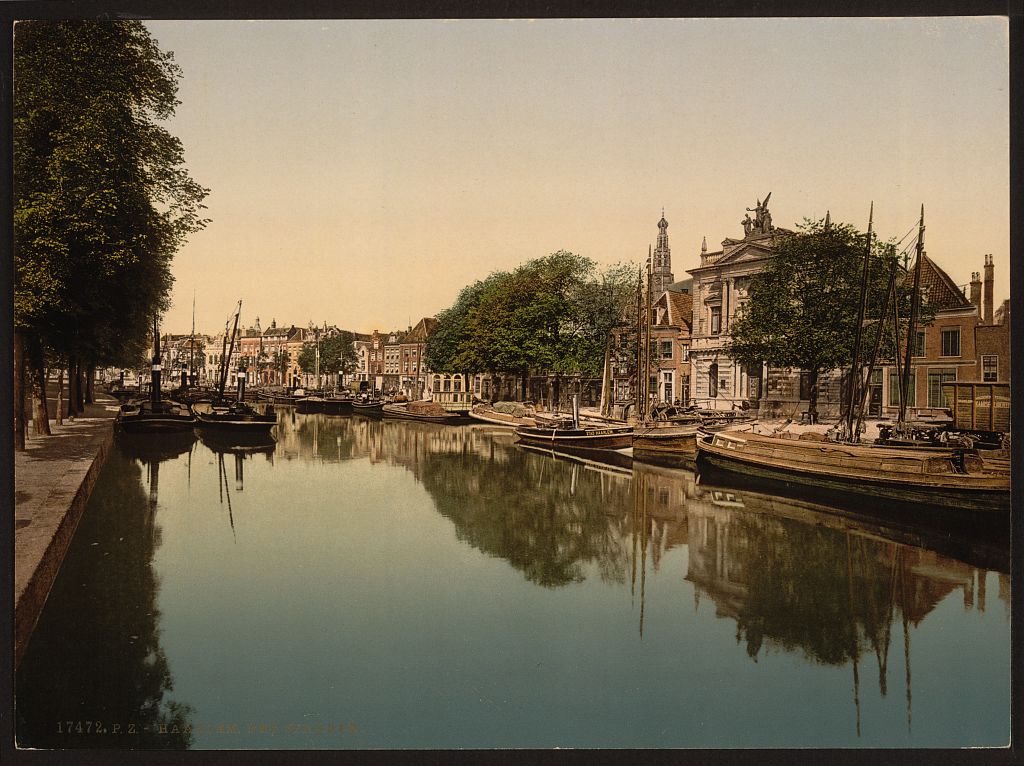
(721, 288)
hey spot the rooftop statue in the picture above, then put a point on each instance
(762, 223)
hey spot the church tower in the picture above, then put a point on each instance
(661, 268)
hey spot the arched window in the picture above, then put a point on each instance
(437, 384)
(713, 380)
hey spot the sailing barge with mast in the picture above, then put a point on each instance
(955, 478)
(236, 416)
(155, 414)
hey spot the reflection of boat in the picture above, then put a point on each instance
(424, 411)
(599, 459)
(509, 414)
(969, 541)
(238, 442)
(940, 478)
(142, 447)
(235, 416)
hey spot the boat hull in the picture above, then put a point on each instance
(373, 410)
(231, 419)
(338, 407)
(947, 491)
(399, 412)
(576, 438)
(666, 441)
(167, 417)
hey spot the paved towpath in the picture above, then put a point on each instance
(53, 478)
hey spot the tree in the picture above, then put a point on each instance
(102, 197)
(803, 306)
(552, 314)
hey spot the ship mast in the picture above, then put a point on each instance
(915, 308)
(856, 372)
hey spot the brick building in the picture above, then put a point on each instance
(968, 341)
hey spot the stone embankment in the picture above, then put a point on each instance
(53, 479)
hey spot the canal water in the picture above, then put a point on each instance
(383, 584)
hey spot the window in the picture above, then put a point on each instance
(666, 349)
(713, 381)
(458, 383)
(668, 388)
(935, 380)
(447, 383)
(716, 320)
(894, 390)
(951, 342)
(805, 384)
(989, 368)
(918, 349)
(686, 353)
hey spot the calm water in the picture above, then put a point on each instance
(389, 584)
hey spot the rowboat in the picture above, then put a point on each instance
(935, 477)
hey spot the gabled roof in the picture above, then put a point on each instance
(680, 308)
(421, 331)
(942, 292)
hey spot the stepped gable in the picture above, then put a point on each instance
(936, 284)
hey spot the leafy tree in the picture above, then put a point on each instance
(449, 346)
(102, 197)
(803, 306)
(552, 314)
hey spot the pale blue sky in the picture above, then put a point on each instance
(362, 172)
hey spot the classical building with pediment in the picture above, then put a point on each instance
(721, 285)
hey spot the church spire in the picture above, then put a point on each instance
(661, 263)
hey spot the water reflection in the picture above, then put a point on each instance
(836, 591)
(108, 675)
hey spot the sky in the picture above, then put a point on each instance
(362, 172)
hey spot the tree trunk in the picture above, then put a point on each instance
(525, 385)
(73, 380)
(812, 403)
(90, 374)
(80, 390)
(40, 416)
(19, 391)
(60, 396)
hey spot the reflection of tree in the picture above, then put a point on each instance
(325, 437)
(833, 594)
(95, 655)
(532, 512)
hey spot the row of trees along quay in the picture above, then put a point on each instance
(553, 314)
(102, 201)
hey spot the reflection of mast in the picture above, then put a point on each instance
(239, 474)
(222, 482)
(643, 556)
(154, 482)
(906, 639)
(636, 512)
(853, 634)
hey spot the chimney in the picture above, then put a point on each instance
(976, 290)
(989, 279)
